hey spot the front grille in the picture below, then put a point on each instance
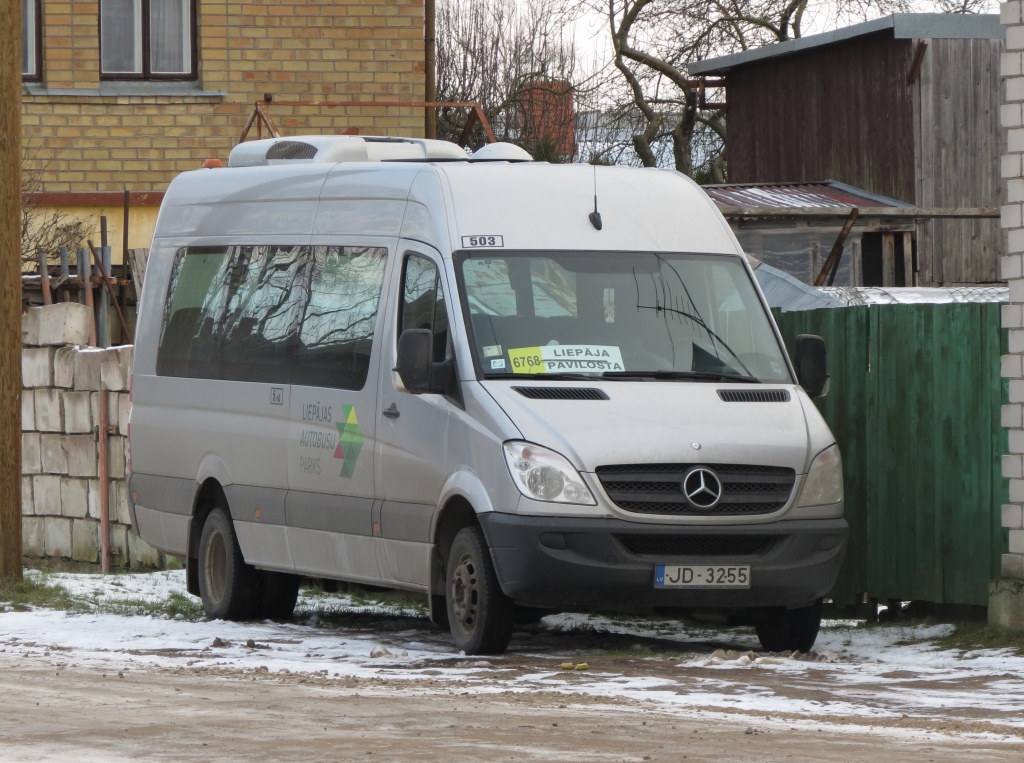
(657, 488)
(562, 393)
(754, 395)
(697, 545)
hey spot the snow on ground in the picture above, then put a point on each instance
(866, 674)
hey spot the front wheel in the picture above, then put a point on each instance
(228, 586)
(479, 614)
(783, 630)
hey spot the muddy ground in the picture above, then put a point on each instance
(519, 707)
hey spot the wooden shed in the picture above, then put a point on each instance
(906, 106)
(788, 226)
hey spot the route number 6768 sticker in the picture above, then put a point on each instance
(478, 242)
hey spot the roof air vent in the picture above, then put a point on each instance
(331, 149)
(291, 149)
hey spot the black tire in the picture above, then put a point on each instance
(479, 614)
(530, 615)
(280, 592)
(783, 630)
(438, 610)
(229, 587)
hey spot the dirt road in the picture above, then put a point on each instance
(352, 680)
(85, 714)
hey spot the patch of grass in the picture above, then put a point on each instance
(33, 592)
(176, 606)
(969, 636)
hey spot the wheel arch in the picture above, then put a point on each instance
(209, 496)
(456, 514)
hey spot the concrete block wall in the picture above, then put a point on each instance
(101, 136)
(1006, 605)
(60, 484)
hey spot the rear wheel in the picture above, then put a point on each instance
(783, 630)
(229, 587)
(280, 592)
(479, 614)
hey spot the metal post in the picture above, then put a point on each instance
(104, 455)
(65, 272)
(107, 297)
(85, 276)
(103, 313)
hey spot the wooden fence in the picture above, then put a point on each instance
(915, 403)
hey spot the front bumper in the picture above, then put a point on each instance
(565, 563)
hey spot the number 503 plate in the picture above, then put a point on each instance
(702, 576)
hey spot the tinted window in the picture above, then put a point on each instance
(194, 305)
(423, 304)
(340, 315)
(265, 292)
(272, 314)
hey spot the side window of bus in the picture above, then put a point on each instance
(194, 307)
(340, 317)
(422, 305)
(266, 289)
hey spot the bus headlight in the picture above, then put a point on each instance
(824, 483)
(543, 475)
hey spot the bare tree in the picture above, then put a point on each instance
(518, 60)
(44, 231)
(664, 116)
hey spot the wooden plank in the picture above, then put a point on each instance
(138, 259)
(828, 270)
(888, 259)
(908, 259)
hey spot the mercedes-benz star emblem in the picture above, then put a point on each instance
(702, 488)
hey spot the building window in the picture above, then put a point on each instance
(30, 40)
(147, 39)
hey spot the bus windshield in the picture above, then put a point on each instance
(617, 314)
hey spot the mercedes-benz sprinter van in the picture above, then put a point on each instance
(510, 386)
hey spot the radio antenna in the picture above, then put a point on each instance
(595, 216)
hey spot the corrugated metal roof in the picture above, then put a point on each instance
(825, 193)
(903, 26)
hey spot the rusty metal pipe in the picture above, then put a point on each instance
(110, 288)
(44, 279)
(103, 432)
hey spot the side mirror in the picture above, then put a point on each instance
(414, 351)
(811, 365)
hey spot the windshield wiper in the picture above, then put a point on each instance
(555, 377)
(695, 375)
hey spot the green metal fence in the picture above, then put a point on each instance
(914, 403)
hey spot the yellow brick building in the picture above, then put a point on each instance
(124, 94)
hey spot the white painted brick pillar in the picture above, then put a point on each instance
(1012, 269)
